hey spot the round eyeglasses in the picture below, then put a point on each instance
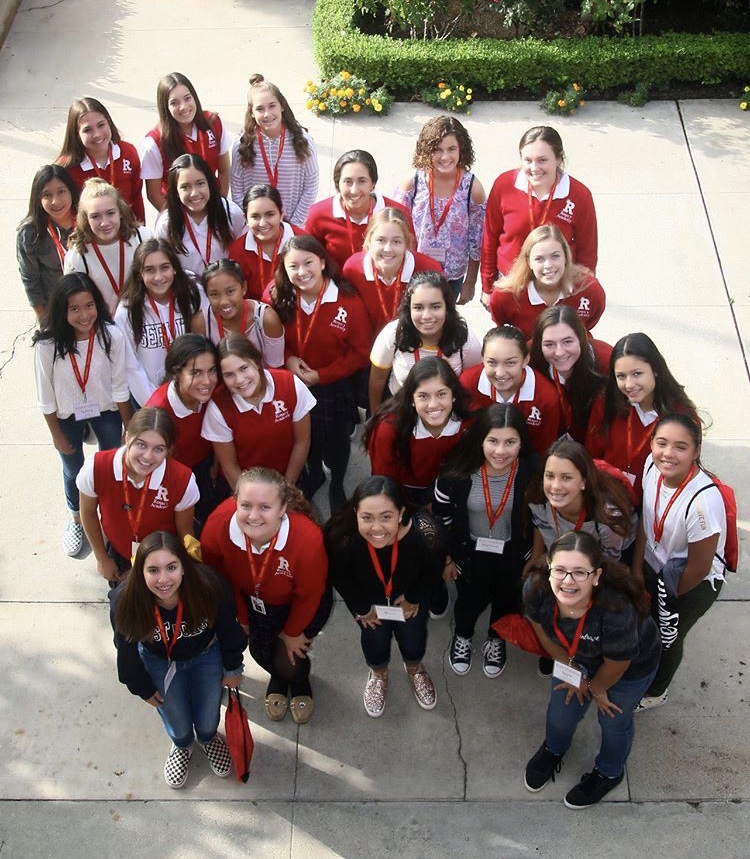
(560, 574)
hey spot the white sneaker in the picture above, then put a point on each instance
(73, 539)
(649, 702)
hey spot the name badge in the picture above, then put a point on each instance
(134, 544)
(389, 612)
(438, 254)
(169, 676)
(567, 674)
(86, 411)
(487, 544)
(258, 605)
(631, 477)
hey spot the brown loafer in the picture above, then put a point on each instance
(302, 707)
(276, 706)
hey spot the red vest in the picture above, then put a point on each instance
(189, 447)
(207, 145)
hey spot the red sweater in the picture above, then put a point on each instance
(506, 225)
(296, 575)
(537, 401)
(124, 173)
(189, 447)
(380, 299)
(266, 438)
(207, 145)
(426, 454)
(508, 309)
(158, 513)
(243, 251)
(339, 345)
(333, 233)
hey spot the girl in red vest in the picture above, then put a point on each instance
(259, 417)
(504, 376)
(327, 339)
(257, 252)
(273, 555)
(129, 492)
(229, 312)
(183, 127)
(105, 239)
(542, 276)
(92, 146)
(192, 371)
(381, 271)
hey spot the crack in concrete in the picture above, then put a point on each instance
(444, 669)
(13, 347)
(50, 6)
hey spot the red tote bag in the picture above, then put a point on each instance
(239, 739)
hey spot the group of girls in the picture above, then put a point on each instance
(255, 332)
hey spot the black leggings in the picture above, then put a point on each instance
(493, 580)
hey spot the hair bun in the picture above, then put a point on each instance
(255, 79)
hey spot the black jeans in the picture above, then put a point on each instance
(493, 580)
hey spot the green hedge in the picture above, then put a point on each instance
(525, 64)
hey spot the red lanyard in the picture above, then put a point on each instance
(169, 647)
(493, 517)
(387, 586)
(437, 223)
(416, 354)
(545, 212)
(135, 521)
(579, 521)
(350, 227)
(630, 453)
(256, 579)
(209, 235)
(397, 291)
(99, 172)
(57, 243)
(118, 284)
(243, 320)
(659, 522)
(570, 646)
(302, 341)
(82, 382)
(565, 408)
(273, 175)
(274, 257)
(172, 329)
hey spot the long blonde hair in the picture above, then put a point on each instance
(93, 189)
(520, 275)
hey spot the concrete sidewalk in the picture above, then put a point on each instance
(80, 772)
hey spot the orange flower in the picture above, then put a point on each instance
(441, 85)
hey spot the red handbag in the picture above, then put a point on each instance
(520, 633)
(239, 739)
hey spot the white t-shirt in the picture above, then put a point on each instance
(705, 517)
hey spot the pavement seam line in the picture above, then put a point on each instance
(457, 727)
(730, 300)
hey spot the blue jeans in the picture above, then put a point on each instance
(456, 285)
(617, 732)
(193, 700)
(108, 430)
(410, 635)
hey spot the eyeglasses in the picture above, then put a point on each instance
(560, 573)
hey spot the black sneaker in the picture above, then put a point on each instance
(541, 768)
(544, 666)
(494, 657)
(460, 655)
(590, 789)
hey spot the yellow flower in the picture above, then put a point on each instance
(444, 94)
(469, 90)
(322, 106)
(309, 104)
(349, 92)
(461, 87)
(342, 103)
(561, 102)
(581, 103)
(309, 83)
(458, 102)
(576, 87)
(345, 75)
(356, 108)
(468, 96)
(361, 91)
(447, 92)
(368, 101)
(441, 85)
(334, 92)
(743, 105)
(747, 89)
(378, 107)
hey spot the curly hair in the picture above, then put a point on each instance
(72, 151)
(94, 189)
(246, 149)
(455, 331)
(431, 136)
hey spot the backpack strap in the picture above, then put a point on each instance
(468, 196)
(687, 510)
(414, 188)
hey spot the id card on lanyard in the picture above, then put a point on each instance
(386, 612)
(258, 577)
(169, 646)
(561, 671)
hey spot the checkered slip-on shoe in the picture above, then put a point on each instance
(176, 766)
(218, 756)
